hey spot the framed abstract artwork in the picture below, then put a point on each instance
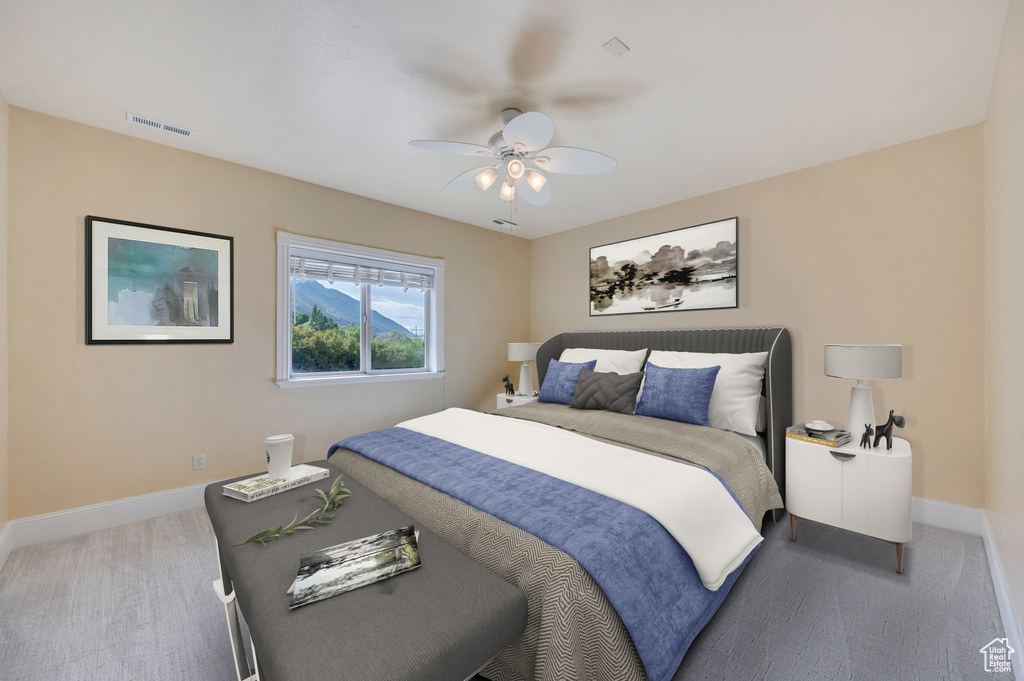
(693, 268)
(149, 284)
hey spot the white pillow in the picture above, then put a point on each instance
(736, 398)
(619, 361)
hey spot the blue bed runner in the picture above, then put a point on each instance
(646, 575)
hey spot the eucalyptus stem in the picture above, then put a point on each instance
(321, 515)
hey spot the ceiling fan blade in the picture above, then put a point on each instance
(464, 181)
(533, 197)
(573, 161)
(462, 148)
(530, 131)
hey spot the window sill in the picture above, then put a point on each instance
(358, 378)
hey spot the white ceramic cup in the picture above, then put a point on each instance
(279, 455)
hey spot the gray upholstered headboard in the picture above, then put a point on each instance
(778, 383)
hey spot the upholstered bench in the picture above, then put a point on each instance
(440, 622)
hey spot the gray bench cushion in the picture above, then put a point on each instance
(441, 621)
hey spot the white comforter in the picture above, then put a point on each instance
(690, 502)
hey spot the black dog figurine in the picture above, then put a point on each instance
(865, 439)
(509, 388)
(886, 430)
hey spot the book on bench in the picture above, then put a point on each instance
(261, 486)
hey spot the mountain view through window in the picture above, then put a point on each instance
(326, 329)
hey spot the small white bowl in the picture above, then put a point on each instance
(818, 425)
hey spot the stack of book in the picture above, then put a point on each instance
(828, 438)
(264, 486)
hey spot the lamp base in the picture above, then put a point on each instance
(525, 380)
(862, 411)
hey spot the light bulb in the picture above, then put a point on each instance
(515, 169)
(508, 191)
(536, 180)
(486, 178)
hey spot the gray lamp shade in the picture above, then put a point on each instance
(867, 362)
(522, 352)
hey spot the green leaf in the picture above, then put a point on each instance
(293, 520)
(257, 537)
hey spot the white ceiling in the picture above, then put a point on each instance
(713, 93)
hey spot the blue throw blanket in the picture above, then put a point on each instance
(646, 575)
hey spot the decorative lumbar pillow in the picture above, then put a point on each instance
(560, 381)
(736, 403)
(616, 361)
(677, 394)
(606, 390)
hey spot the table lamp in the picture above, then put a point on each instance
(525, 353)
(863, 362)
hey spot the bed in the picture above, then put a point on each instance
(621, 571)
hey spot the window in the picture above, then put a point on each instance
(350, 313)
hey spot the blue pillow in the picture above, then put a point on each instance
(560, 381)
(677, 394)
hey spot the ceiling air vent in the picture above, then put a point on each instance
(151, 123)
(503, 223)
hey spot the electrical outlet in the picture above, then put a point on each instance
(199, 462)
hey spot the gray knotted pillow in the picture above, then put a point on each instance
(606, 390)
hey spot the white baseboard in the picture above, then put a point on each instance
(1011, 625)
(6, 543)
(75, 521)
(948, 516)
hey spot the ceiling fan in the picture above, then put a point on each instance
(522, 141)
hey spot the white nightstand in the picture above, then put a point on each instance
(861, 490)
(514, 400)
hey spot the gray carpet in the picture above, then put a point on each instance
(135, 603)
(132, 603)
(831, 605)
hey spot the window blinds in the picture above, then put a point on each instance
(358, 271)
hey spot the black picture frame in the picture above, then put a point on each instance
(691, 268)
(152, 284)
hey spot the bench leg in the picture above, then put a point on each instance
(242, 670)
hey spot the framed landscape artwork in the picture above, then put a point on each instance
(149, 284)
(694, 268)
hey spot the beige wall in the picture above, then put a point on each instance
(92, 423)
(4, 126)
(1004, 321)
(885, 247)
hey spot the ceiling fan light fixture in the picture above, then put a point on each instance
(515, 168)
(536, 179)
(508, 191)
(486, 178)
